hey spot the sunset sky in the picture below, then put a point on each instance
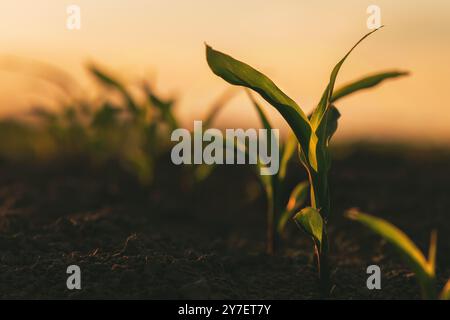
(295, 43)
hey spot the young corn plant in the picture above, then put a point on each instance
(136, 143)
(424, 268)
(313, 135)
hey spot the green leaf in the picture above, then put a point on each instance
(109, 81)
(262, 116)
(270, 183)
(332, 122)
(310, 221)
(297, 199)
(104, 78)
(320, 197)
(324, 133)
(165, 107)
(241, 74)
(414, 258)
(445, 294)
(432, 250)
(321, 110)
(324, 123)
(298, 196)
(328, 93)
(288, 150)
(105, 116)
(158, 102)
(265, 122)
(365, 83)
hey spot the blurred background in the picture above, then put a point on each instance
(296, 43)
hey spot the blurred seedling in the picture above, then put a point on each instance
(121, 125)
(424, 268)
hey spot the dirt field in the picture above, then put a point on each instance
(173, 240)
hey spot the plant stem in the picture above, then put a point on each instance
(270, 233)
(429, 289)
(324, 267)
(320, 200)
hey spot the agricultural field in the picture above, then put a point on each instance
(111, 191)
(94, 186)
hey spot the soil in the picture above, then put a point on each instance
(172, 240)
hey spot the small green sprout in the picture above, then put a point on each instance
(424, 269)
(313, 135)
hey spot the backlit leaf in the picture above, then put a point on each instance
(165, 107)
(109, 81)
(288, 150)
(241, 74)
(310, 221)
(365, 83)
(445, 294)
(414, 258)
(328, 93)
(297, 199)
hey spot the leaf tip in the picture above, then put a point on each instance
(352, 213)
(209, 58)
(296, 216)
(405, 73)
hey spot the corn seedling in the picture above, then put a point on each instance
(424, 268)
(151, 125)
(137, 140)
(313, 135)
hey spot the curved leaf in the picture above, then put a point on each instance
(332, 123)
(321, 110)
(326, 97)
(165, 107)
(109, 81)
(445, 294)
(298, 196)
(310, 221)
(366, 83)
(241, 74)
(288, 150)
(262, 116)
(296, 201)
(432, 250)
(415, 259)
(265, 122)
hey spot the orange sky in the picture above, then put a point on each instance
(296, 43)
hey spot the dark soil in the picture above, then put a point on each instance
(173, 240)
